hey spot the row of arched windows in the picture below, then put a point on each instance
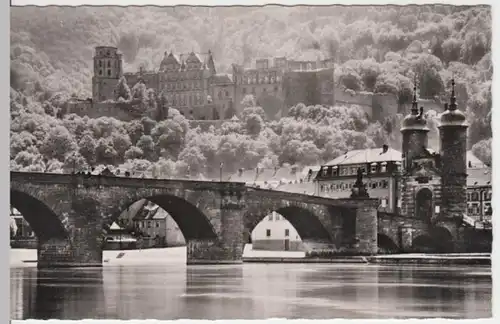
(185, 99)
(260, 79)
(188, 85)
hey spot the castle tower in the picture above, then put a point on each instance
(108, 70)
(415, 133)
(453, 152)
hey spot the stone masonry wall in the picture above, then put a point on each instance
(454, 177)
(366, 230)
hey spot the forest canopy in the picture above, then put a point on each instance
(377, 49)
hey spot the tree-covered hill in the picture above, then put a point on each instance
(377, 49)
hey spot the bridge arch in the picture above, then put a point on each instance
(437, 240)
(191, 220)
(307, 223)
(386, 244)
(44, 222)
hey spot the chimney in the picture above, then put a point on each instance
(385, 148)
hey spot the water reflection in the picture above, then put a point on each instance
(251, 291)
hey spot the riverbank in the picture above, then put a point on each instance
(24, 257)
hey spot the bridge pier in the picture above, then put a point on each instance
(228, 247)
(366, 230)
(62, 253)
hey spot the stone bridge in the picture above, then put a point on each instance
(68, 213)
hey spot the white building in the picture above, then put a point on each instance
(275, 233)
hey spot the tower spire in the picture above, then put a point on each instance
(453, 99)
(414, 106)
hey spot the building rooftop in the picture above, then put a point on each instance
(223, 78)
(478, 177)
(367, 156)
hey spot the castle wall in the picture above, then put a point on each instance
(223, 98)
(104, 88)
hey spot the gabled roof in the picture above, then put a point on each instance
(115, 227)
(478, 177)
(367, 156)
(222, 79)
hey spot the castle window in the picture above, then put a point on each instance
(469, 197)
(227, 93)
(191, 111)
(108, 53)
(475, 196)
(470, 210)
(100, 63)
(220, 94)
(109, 64)
(100, 72)
(109, 72)
(322, 188)
(385, 184)
(374, 185)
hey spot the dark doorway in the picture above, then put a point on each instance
(287, 245)
(424, 204)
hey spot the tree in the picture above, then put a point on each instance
(74, 162)
(482, 150)
(194, 158)
(254, 124)
(133, 153)
(87, 148)
(122, 90)
(105, 152)
(58, 143)
(147, 146)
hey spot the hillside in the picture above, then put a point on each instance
(377, 49)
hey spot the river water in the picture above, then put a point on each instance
(251, 291)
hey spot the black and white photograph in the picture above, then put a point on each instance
(226, 162)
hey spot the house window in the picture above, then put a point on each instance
(469, 196)
(475, 196)
(374, 185)
(470, 210)
(287, 232)
(268, 233)
(322, 188)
